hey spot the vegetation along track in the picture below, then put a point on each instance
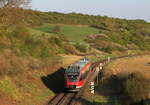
(74, 98)
(92, 75)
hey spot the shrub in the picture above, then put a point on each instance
(46, 52)
(56, 29)
(70, 49)
(136, 88)
(20, 32)
(140, 43)
(107, 49)
(55, 40)
(129, 88)
(81, 47)
(101, 26)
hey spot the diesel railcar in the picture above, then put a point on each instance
(76, 74)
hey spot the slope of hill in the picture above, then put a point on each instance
(30, 45)
(128, 34)
(124, 80)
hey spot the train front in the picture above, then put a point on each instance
(72, 79)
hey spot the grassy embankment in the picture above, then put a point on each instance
(125, 81)
(32, 87)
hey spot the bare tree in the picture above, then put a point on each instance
(14, 3)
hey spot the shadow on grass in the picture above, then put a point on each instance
(113, 89)
(143, 102)
(110, 86)
(55, 81)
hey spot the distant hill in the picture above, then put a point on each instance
(122, 33)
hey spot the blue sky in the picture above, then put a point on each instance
(130, 9)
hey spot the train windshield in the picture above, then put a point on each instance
(72, 78)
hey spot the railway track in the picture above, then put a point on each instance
(62, 99)
(74, 98)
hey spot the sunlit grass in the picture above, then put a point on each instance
(72, 32)
(9, 88)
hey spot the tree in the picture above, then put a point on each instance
(14, 3)
(81, 47)
(57, 29)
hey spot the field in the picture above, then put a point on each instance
(129, 65)
(74, 33)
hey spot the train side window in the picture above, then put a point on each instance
(81, 77)
(86, 73)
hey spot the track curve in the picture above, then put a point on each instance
(74, 98)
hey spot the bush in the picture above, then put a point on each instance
(20, 32)
(55, 40)
(136, 88)
(129, 88)
(45, 52)
(70, 49)
(107, 49)
(101, 26)
(81, 47)
(56, 29)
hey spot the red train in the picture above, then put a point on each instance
(76, 74)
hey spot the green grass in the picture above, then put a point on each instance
(98, 58)
(31, 93)
(39, 32)
(100, 99)
(72, 32)
(9, 88)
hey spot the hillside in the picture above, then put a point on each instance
(99, 32)
(33, 42)
(124, 80)
(122, 33)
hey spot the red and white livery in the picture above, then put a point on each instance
(76, 74)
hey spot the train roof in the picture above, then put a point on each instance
(75, 68)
